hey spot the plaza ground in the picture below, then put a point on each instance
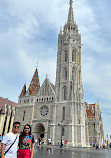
(56, 152)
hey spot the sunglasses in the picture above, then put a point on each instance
(26, 128)
(16, 126)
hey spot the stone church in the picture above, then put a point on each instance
(59, 111)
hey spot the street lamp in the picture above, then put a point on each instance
(61, 136)
(107, 140)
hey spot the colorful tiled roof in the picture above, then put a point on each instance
(34, 85)
(90, 114)
(23, 92)
(90, 110)
(5, 101)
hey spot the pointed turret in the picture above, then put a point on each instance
(70, 15)
(60, 31)
(34, 85)
(23, 92)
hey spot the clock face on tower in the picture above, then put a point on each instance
(44, 110)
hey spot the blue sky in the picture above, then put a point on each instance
(29, 32)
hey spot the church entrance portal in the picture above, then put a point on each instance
(40, 131)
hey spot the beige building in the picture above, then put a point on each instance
(7, 114)
(59, 111)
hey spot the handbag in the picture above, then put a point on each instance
(10, 146)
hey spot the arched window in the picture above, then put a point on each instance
(65, 56)
(23, 115)
(79, 76)
(74, 56)
(62, 131)
(64, 93)
(63, 113)
(79, 59)
(73, 73)
(65, 73)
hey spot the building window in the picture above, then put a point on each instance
(73, 73)
(44, 110)
(62, 131)
(23, 115)
(65, 56)
(74, 56)
(65, 73)
(63, 113)
(79, 76)
(43, 92)
(79, 59)
(64, 93)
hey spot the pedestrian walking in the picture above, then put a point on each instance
(66, 143)
(10, 141)
(62, 142)
(107, 145)
(110, 145)
(97, 146)
(49, 141)
(103, 146)
(26, 143)
(93, 144)
(58, 142)
(39, 141)
(35, 141)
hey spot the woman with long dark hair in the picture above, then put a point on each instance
(26, 143)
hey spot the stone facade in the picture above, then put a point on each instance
(58, 111)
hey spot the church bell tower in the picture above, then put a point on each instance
(68, 73)
(69, 103)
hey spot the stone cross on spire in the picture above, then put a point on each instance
(70, 15)
(37, 64)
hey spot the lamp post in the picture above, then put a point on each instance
(107, 140)
(61, 136)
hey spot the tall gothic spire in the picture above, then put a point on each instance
(34, 85)
(70, 15)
